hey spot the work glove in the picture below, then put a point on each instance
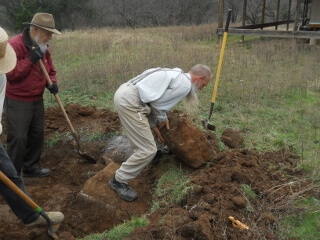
(35, 54)
(53, 88)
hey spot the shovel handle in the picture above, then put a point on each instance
(224, 41)
(75, 136)
(19, 192)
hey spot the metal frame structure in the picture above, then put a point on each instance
(305, 30)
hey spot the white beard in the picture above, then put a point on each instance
(43, 47)
(191, 102)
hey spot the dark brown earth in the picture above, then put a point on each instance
(80, 190)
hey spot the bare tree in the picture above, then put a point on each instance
(254, 10)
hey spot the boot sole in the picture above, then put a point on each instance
(35, 175)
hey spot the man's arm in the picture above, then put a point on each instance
(23, 67)
(167, 101)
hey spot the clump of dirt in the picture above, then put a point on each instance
(232, 138)
(202, 214)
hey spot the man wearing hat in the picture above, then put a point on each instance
(21, 209)
(24, 96)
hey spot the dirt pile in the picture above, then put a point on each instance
(220, 191)
(202, 214)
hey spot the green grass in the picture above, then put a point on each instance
(121, 231)
(171, 187)
(305, 225)
(55, 140)
(248, 194)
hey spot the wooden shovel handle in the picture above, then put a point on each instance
(60, 104)
(18, 191)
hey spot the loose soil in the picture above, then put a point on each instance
(202, 214)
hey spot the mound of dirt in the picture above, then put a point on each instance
(217, 194)
(74, 184)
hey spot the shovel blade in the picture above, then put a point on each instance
(83, 154)
(51, 228)
(208, 125)
(87, 157)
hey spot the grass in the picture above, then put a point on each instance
(55, 140)
(171, 187)
(248, 194)
(269, 88)
(305, 225)
(121, 231)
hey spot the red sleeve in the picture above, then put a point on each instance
(23, 67)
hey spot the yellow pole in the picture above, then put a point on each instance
(215, 89)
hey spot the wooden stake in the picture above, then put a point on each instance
(289, 12)
(277, 16)
(244, 16)
(220, 17)
(263, 10)
(297, 20)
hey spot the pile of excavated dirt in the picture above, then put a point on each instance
(80, 190)
(216, 195)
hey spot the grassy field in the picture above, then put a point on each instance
(269, 88)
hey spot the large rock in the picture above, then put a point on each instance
(104, 204)
(187, 142)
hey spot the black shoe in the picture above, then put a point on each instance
(36, 172)
(156, 158)
(160, 154)
(124, 191)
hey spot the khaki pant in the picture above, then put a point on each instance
(133, 115)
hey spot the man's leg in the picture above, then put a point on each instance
(35, 143)
(18, 206)
(18, 117)
(133, 116)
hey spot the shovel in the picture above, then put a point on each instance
(74, 134)
(51, 229)
(205, 122)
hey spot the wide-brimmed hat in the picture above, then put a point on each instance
(45, 21)
(8, 58)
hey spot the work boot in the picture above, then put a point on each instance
(156, 158)
(123, 189)
(36, 172)
(55, 217)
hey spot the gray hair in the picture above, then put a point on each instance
(201, 70)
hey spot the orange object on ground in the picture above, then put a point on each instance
(237, 223)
